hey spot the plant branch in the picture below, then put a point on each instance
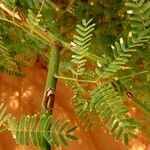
(134, 75)
(74, 79)
(53, 65)
(4, 129)
(134, 99)
(141, 105)
(50, 88)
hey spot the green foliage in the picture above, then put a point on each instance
(109, 107)
(81, 45)
(35, 4)
(10, 4)
(88, 116)
(11, 72)
(139, 11)
(5, 56)
(3, 117)
(44, 22)
(33, 19)
(121, 55)
(105, 101)
(30, 129)
(7, 63)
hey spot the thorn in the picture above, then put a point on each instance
(91, 3)
(116, 78)
(15, 15)
(121, 41)
(130, 34)
(99, 64)
(112, 47)
(130, 12)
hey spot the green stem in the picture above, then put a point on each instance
(134, 99)
(95, 58)
(141, 105)
(74, 79)
(45, 145)
(4, 129)
(133, 75)
(51, 83)
(53, 66)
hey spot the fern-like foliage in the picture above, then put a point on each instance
(4, 54)
(81, 45)
(87, 116)
(105, 102)
(140, 23)
(24, 59)
(33, 19)
(12, 72)
(33, 4)
(37, 3)
(10, 4)
(109, 107)
(7, 64)
(122, 53)
(30, 129)
(3, 116)
(139, 11)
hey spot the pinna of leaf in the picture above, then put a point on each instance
(31, 129)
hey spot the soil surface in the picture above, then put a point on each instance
(23, 96)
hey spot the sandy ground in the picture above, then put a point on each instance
(23, 96)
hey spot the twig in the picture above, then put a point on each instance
(74, 79)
